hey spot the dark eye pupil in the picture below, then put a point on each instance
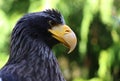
(51, 23)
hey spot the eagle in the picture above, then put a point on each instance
(32, 39)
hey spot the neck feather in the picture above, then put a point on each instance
(32, 60)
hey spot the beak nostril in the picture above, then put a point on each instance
(67, 31)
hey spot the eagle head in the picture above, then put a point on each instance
(48, 26)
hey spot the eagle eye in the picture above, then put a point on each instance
(51, 23)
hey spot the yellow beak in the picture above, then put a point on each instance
(65, 35)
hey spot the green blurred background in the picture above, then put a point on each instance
(96, 24)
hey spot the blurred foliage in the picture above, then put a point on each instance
(96, 24)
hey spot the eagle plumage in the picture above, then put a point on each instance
(31, 57)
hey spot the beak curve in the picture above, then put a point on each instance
(65, 35)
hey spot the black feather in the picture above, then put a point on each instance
(31, 58)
